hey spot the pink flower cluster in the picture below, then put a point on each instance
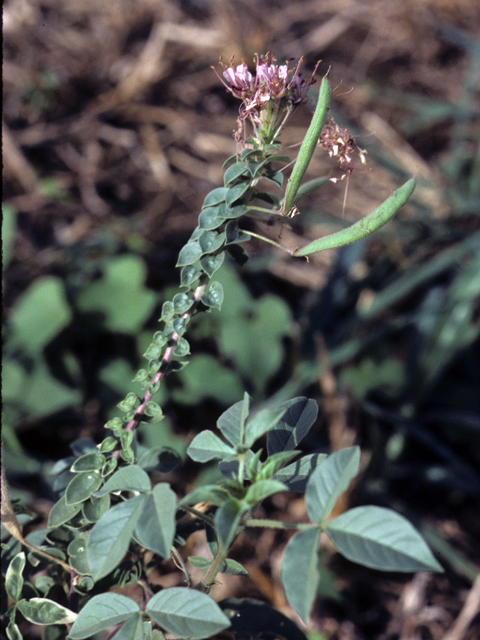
(338, 143)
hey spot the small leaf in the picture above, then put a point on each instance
(155, 527)
(88, 462)
(102, 612)
(62, 512)
(13, 632)
(211, 241)
(274, 463)
(300, 415)
(260, 424)
(110, 536)
(189, 275)
(211, 218)
(189, 254)
(299, 574)
(94, 509)
(81, 487)
(187, 613)
(14, 577)
(296, 475)
(77, 551)
(232, 421)
(199, 562)
(153, 411)
(234, 172)
(233, 568)
(233, 234)
(227, 519)
(207, 446)
(215, 197)
(131, 478)
(235, 192)
(213, 296)
(262, 489)
(237, 211)
(181, 350)
(182, 303)
(329, 480)
(43, 611)
(211, 493)
(212, 263)
(381, 539)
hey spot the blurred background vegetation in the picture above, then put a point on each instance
(115, 128)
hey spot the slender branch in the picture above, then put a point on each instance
(275, 244)
(275, 524)
(197, 514)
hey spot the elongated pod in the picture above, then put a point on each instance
(365, 226)
(308, 145)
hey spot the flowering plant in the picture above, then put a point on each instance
(112, 526)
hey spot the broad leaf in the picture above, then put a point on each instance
(44, 611)
(207, 446)
(81, 487)
(155, 527)
(190, 253)
(187, 613)
(381, 539)
(110, 537)
(102, 612)
(296, 475)
(211, 493)
(132, 629)
(232, 421)
(299, 574)
(300, 415)
(260, 424)
(62, 512)
(262, 489)
(329, 480)
(131, 478)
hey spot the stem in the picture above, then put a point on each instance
(275, 524)
(275, 244)
(177, 559)
(198, 514)
(214, 568)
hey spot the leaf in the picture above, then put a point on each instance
(40, 314)
(156, 525)
(329, 480)
(210, 218)
(81, 487)
(227, 519)
(101, 612)
(94, 508)
(187, 613)
(235, 192)
(88, 462)
(381, 539)
(13, 632)
(14, 577)
(213, 296)
(216, 196)
(211, 493)
(189, 254)
(296, 475)
(77, 551)
(132, 629)
(61, 512)
(262, 489)
(131, 478)
(232, 421)
(262, 422)
(207, 446)
(110, 537)
(299, 417)
(299, 574)
(120, 295)
(44, 611)
(274, 463)
(234, 172)
(211, 263)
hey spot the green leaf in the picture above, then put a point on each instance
(77, 551)
(81, 487)
(40, 314)
(187, 613)
(274, 463)
(296, 475)
(199, 562)
(212, 263)
(232, 421)
(299, 417)
(94, 509)
(215, 197)
(207, 446)
(102, 612)
(120, 295)
(182, 302)
(110, 536)
(211, 493)
(189, 275)
(235, 212)
(14, 577)
(262, 422)
(88, 462)
(211, 241)
(227, 519)
(211, 218)
(262, 489)
(132, 629)
(44, 611)
(299, 574)
(235, 192)
(155, 527)
(233, 568)
(131, 478)
(381, 539)
(329, 480)
(61, 512)
(189, 254)
(213, 296)
(13, 632)
(234, 172)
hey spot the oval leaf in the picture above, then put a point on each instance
(329, 480)
(207, 446)
(299, 574)
(156, 526)
(81, 486)
(109, 539)
(381, 539)
(44, 611)
(101, 612)
(189, 254)
(187, 613)
(131, 478)
(14, 577)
